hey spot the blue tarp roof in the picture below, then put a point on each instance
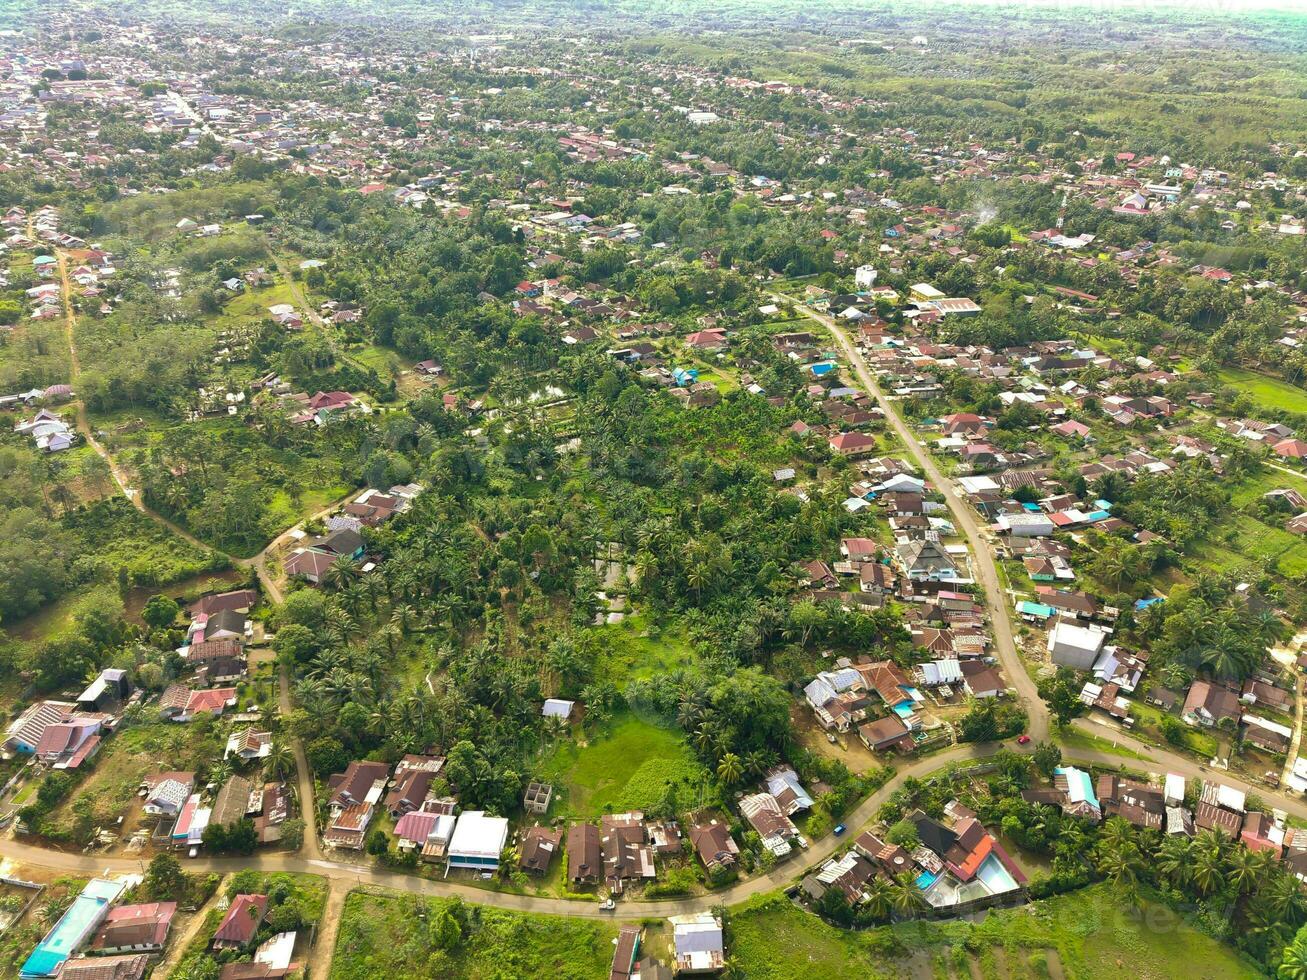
(1035, 609)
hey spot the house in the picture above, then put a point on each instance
(626, 948)
(714, 844)
(308, 564)
(584, 858)
(134, 929)
(1266, 734)
(1220, 808)
(1073, 792)
(1207, 704)
(67, 744)
(181, 704)
(225, 624)
(167, 792)
(478, 841)
(241, 601)
(241, 923)
(852, 444)
(1075, 646)
(130, 967)
(410, 789)
(24, 733)
(232, 804)
(773, 826)
(427, 831)
(886, 734)
(783, 783)
(537, 850)
(1142, 806)
(698, 945)
(926, 561)
(247, 745)
(625, 852)
(354, 796)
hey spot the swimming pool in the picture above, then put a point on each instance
(994, 876)
(903, 709)
(73, 928)
(926, 879)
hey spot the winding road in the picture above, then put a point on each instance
(343, 874)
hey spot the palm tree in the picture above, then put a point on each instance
(1174, 860)
(280, 761)
(1293, 965)
(905, 896)
(1243, 870)
(1208, 869)
(340, 573)
(878, 901)
(705, 737)
(730, 770)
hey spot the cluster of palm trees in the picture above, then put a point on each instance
(1265, 901)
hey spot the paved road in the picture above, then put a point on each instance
(339, 869)
(964, 518)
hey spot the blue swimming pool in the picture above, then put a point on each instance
(73, 929)
(903, 709)
(926, 879)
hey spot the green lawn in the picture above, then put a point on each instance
(1088, 934)
(385, 935)
(1074, 738)
(1269, 393)
(627, 767)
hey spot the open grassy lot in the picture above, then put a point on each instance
(1086, 934)
(136, 751)
(637, 648)
(627, 767)
(385, 935)
(1269, 393)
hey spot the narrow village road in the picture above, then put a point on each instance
(1158, 760)
(964, 518)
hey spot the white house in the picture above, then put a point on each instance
(1075, 646)
(478, 841)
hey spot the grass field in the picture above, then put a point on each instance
(628, 767)
(637, 648)
(1087, 934)
(1269, 393)
(386, 935)
(1073, 738)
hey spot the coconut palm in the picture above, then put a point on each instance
(1243, 870)
(730, 770)
(279, 762)
(878, 901)
(1174, 860)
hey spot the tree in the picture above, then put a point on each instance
(729, 770)
(295, 644)
(280, 761)
(160, 612)
(164, 879)
(378, 843)
(1047, 757)
(292, 834)
(904, 834)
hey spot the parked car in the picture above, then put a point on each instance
(839, 829)
(1023, 739)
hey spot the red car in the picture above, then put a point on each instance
(1022, 739)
